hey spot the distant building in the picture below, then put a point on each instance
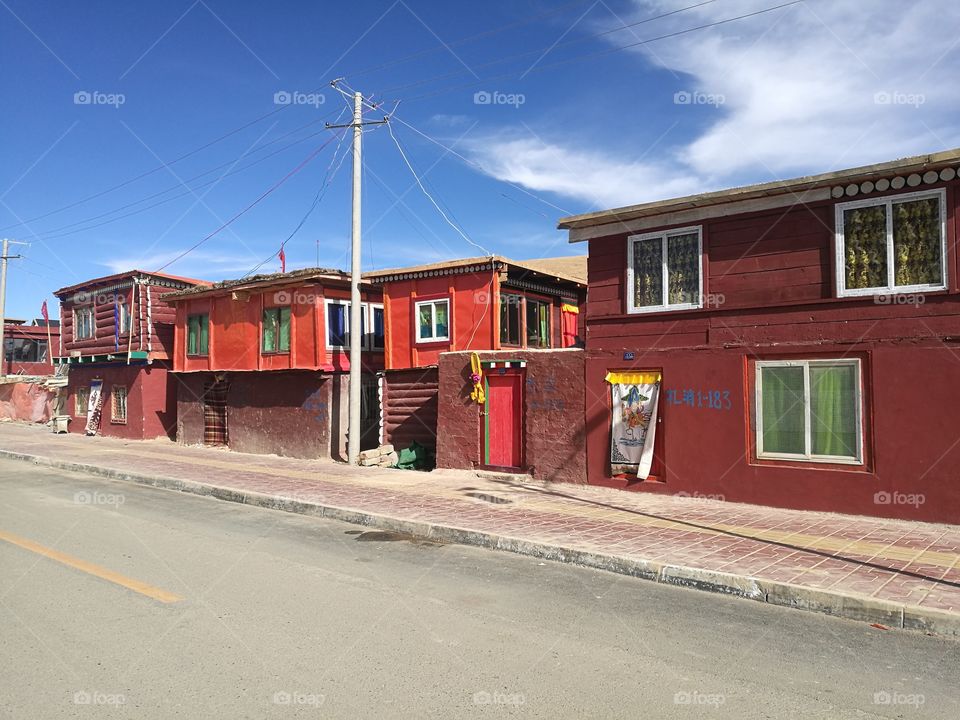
(117, 338)
(26, 347)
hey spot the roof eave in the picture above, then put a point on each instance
(747, 192)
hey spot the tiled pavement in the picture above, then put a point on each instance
(788, 554)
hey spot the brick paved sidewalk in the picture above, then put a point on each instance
(898, 573)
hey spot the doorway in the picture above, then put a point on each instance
(502, 421)
(215, 412)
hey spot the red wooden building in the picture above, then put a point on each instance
(263, 363)
(474, 304)
(117, 338)
(792, 344)
(27, 348)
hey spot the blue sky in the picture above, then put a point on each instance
(547, 115)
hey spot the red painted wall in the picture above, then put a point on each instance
(553, 419)
(474, 316)
(471, 317)
(235, 331)
(151, 400)
(771, 275)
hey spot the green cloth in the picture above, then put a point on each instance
(783, 410)
(833, 412)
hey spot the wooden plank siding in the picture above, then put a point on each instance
(152, 322)
(768, 259)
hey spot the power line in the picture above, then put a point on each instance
(586, 56)
(478, 166)
(276, 185)
(413, 172)
(550, 48)
(147, 173)
(55, 233)
(328, 179)
(467, 39)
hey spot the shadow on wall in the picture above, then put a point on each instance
(167, 417)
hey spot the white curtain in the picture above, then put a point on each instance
(634, 400)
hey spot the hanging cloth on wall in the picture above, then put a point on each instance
(633, 423)
(94, 407)
(476, 377)
(568, 324)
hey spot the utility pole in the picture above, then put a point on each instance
(356, 340)
(3, 304)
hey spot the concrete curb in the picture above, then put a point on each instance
(850, 606)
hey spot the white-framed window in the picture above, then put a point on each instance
(84, 323)
(895, 244)
(123, 314)
(118, 404)
(665, 270)
(433, 320)
(337, 321)
(377, 337)
(809, 410)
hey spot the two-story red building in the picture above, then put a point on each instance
(263, 363)
(29, 349)
(512, 314)
(117, 338)
(794, 343)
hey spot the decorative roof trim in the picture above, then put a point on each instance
(539, 288)
(440, 272)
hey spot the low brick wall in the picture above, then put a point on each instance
(554, 436)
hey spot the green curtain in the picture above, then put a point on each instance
(270, 330)
(440, 309)
(204, 322)
(783, 412)
(865, 247)
(284, 341)
(833, 411)
(916, 242)
(544, 311)
(192, 334)
(683, 268)
(426, 322)
(648, 272)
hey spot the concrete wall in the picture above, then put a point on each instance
(297, 413)
(282, 413)
(554, 436)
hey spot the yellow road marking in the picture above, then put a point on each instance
(101, 572)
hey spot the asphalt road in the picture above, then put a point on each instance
(124, 601)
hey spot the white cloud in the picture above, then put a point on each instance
(809, 88)
(590, 175)
(449, 121)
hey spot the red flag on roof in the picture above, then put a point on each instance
(283, 259)
(43, 311)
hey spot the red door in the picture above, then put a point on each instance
(503, 419)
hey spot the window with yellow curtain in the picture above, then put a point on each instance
(892, 244)
(664, 270)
